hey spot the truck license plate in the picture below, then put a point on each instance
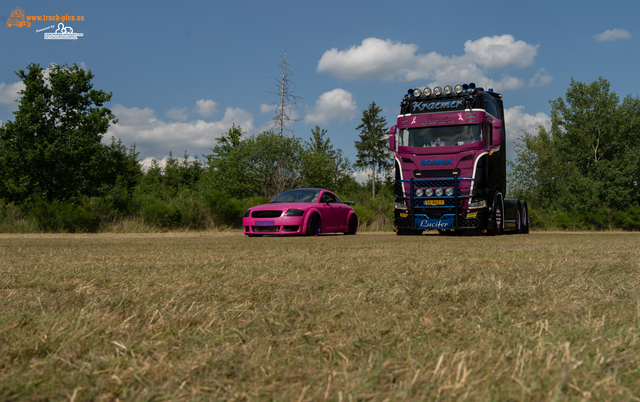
(265, 223)
(434, 202)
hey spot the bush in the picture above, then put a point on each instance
(14, 220)
(627, 220)
(227, 211)
(166, 215)
(66, 217)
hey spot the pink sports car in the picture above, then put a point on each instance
(309, 211)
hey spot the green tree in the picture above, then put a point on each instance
(589, 159)
(53, 149)
(324, 166)
(373, 152)
(264, 165)
(587, 128)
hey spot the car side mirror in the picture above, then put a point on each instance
(496, 132)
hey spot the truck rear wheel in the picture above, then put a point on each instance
(518, 218)
(497, 214)
(525, 218)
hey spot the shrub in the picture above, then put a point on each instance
(225, 210)
(56, 216)
(162, 214)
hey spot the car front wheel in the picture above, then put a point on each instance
(314, 226)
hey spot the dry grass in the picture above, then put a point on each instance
(217, 316)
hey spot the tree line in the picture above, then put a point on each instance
(585, 172)
(56, 174)
(56, 171)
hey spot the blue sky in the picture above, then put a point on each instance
(182, 72)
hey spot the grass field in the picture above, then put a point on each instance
(371, 317)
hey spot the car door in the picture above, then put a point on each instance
(329, 211)
(343, 212)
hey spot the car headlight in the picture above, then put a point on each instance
(247, 213)
(449, 191)
(400, 205)
(439, 192)
(294, 212)
(419, 192)
(428, 192)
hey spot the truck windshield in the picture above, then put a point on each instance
(440, 136)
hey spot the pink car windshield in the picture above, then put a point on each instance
(304, 195)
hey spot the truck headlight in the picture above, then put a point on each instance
(400, 205)
(449, 191)
(439, 192)
(477, 204)
(428, 192)
(419, 192)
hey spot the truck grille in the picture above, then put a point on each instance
(432, 174)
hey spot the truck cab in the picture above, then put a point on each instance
(450, 163)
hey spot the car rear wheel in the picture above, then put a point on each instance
(352, 226)
(314, 226)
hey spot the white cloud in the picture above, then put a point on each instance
(9, 93)
(541, 78)
(206, 108)
(517, 121)
(177, 114)
(155, 137)
(264, 108)
(337, 104)
(500, 51)
(388, 60)
(363, 176)
(612, 34)
(374, 58)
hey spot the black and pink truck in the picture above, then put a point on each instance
(450, 164)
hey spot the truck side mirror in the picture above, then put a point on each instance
(496, 132)
(392, 139)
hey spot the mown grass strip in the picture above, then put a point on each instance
(215, 315)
